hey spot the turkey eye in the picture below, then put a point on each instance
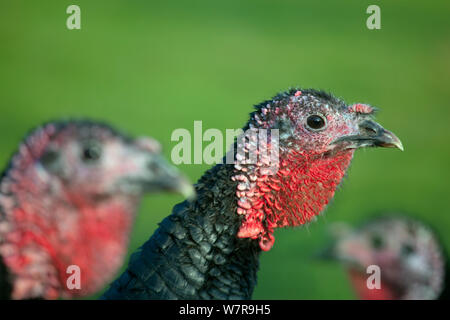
(407, 250)
(91, 152)
(50, 159)
(316, 122)
(377, 242)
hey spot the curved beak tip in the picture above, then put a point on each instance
(187, 190)
(393, 141)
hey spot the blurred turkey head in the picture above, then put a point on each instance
(410, 257)
(69, 197)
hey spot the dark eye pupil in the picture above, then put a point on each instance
(91, 153)
(315, 122)
(407, 250)
(377, 242)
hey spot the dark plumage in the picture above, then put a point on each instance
(209, 248)
(5, 282)
(195, 253)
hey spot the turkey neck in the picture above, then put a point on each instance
(199, 241)
(235, 259)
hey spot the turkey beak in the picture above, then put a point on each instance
(337, 231)
(379, 136)
(371, 134)
(335, 253)
(159, 174)
(327, 254)
(168, 178)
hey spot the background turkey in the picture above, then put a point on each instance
(68, 197)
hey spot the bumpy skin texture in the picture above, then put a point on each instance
(209, 248)
(68, 197)
(412, 260)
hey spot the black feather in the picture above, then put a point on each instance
(195, 254)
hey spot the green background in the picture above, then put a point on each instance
(149, 67)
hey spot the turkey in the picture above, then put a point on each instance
(412, 262)
(68, 200)
(209, 248)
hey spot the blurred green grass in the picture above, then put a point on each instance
(150, 67)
